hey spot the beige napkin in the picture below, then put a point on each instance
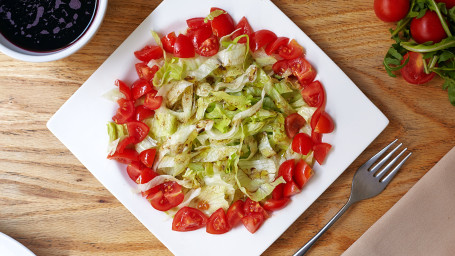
(420, 223)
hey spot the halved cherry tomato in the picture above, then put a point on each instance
(198, 36)
(145, 72)
(168, 196)
(293, 123)
(149, 52)
(413, 72)
(168, 42)
(188, 219)
(217, 223)
(315, 117)
(251, 207)
(277, 193)
(126, 157)
(273, 46)
(320, 151)
(242, 28)
(290, 51)
(195, 23)
(276, 204)
(123, 144)
(302, 143)
(223, 24)
(313, 94)
(261, 38)
(253, 222)
(325, 124)
(140, 87)
(143, 113)
(147, 157)
(183, 47)
(153, 102)
(140, 173)
(290, 189)
(316, 137)
(125, 111)
(280, 67)
(235, 213)
(303, 70)
(427, 28)
(286, 169)
(124, 89)
(209, 47)
(302, 173)
(137, 130)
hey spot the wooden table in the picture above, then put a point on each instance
(54, 206)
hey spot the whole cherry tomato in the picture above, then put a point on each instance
(391, 10)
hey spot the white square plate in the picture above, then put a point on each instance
(81, 126)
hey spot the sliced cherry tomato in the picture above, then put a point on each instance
(140, 87)
(303, 70)
(217, 223)
(280, 67)
(145, 72)
(183, 47)
(235, 213)
(153, 102)
(143, 113)
(124, 89)
(316, 137)
(290, 189)
(320, 151)
(140, 173)
(277, 193)
(315, 118)
(325, 124)
(293, 123)
(168, 42)
(223, 24)
(137, 130)
(195, 23)
(251, 207)
(428, 28)
(253, 222)
(168, 196)
(149, 52)
(125, 111)
(449, 3)
(273, 46)
(276, 204)
(413, 72)
(290, 51)
(261, 38)
(314, 94)
(286, 169)
(126, 157)
(147, 157)
(302, 143)
(391, 10)
(198, 36)
(302, 173)
(188, 219)
(242, 28)
(209, 47)
(123, 144)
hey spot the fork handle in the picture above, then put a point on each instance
(313, 240)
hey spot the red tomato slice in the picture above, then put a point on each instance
(251, 207)
(242, 28)
(290, 189)
(316, 137)
(293, 123)
(153, 102)
(209, 47)
(145, 72)
(314, 94)
(217, 223)
(286, 170)
(183, 47)
(137, 130)
(198, 36)
(413, 72)
(143, 113)
(124, 89)
(273, 46)
(280, 67)
(147, 157)
(168, 42)
(121, 146)
(277, 193)
(261, 38)
(125, 112)
(315, 117)
(126, 157)
(302, 143)
(140, 87)
(223, 24)
(140, 173)
(235, 213)
(253, 222)
(149, 52)
(302, 173)
(195, 23)
(303, 70)
(290, 51)
(320, 151)
(188, 219)
(276, 204)
(325, 124)
(168, 196)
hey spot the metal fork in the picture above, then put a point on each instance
(368, 182)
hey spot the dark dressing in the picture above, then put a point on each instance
(43, 26)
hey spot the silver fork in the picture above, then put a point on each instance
(368, 182)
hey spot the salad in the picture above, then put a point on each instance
(223, 125)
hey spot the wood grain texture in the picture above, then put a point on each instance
(53, 205)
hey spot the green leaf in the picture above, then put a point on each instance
(446, 55)
(213, 15)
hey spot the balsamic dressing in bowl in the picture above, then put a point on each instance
(44, 26)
